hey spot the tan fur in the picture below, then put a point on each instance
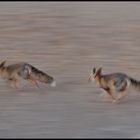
(24, 70)
(118, 82)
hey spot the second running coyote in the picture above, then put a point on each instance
(26, 71)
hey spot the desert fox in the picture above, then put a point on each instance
(118, 82)
(26, 71)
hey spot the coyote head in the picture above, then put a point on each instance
(95, 74)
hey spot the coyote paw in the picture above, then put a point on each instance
(114, 101)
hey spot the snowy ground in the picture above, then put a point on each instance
(67, 39)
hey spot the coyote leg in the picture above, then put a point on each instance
(110, 93)
(121, 95)
(33, 81)
(13, 83)
(122, 92)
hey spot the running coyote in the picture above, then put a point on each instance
(25, 71)
(118, 82)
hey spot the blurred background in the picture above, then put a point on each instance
(66, 40)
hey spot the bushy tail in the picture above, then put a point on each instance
(28, 70)
(42, 76)
(135, 84)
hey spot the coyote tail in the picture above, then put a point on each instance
(42, 76)
(135, 84)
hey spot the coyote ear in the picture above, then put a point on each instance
(99, 71)
(94, 70)
(3, 63)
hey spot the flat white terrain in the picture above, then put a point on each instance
(66, 40)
